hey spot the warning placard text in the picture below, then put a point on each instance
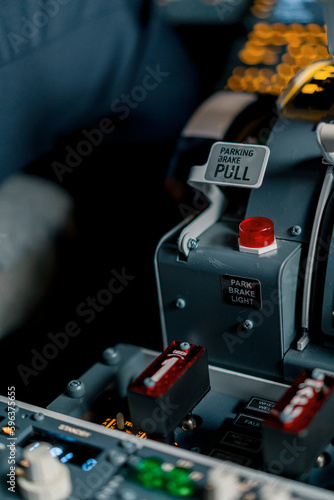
(242, 165)
(241, 291)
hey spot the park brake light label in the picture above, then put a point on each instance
(238, 291)
(234, 164)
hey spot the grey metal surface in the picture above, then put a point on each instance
(313, 245)
(208, 320)
(313, 356)
(293, 180)
(100, 377)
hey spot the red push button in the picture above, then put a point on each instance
(257, 235)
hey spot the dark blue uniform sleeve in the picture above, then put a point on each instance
(67, 64)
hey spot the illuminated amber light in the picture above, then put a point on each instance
(261, 26)
(288, 59)
(128, 427)
(307, 49)
(251, 73)
(314, 28)
(249, 56)
(266, 73)
(262, 8)
(303, 44)
(239, 71)
(259, 13)
(236, 83)
(322, 75)
(310, 88)
(323, 52)
(278, 39)
(297, 27)
(8, 430)
(270, 58)
(285, 70)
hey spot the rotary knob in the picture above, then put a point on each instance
(46, 477)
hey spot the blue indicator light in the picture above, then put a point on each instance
(91, 462)
(66, 458)
(34, 446)
(56, 451)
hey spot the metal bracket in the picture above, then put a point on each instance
(325, 138)
(217, 203)
(251, 159)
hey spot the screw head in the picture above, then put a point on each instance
(148, 382)
(320, 461)
(318, 374)
(184, 346)
(111, 356)
(127, 494)
(296, 230)
(117, 457)
(188, 423)
(192, 244)
(180, 303)
(38, 417)
(76, 389)
(13, 409)
(284, 418)
(248, 324)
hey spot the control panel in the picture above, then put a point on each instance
(226, 445)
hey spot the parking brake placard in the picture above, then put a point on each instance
(234, 164)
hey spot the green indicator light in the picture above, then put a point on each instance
(179, 484)
(150, 474)
(149, 464)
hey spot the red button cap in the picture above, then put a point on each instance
(256, 232)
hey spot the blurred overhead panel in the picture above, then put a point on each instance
(283, 37)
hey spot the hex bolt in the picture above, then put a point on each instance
(127, 494)
(284, 417)
(192, 244)
(128, 446)
(321, 461)
(318, 374)
(184, 346)
(180, 303)
(248, 324)
(13, 409)
(76, 389)
(188, 423)
(117, 458)
(148, 382)
(38, 417)
(296, 230)
(111, 356)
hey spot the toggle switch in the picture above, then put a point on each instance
(170, 387)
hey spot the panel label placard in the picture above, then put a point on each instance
(249, 421)
(234, 164)
(242, 441)
(261, 405)
(239, 291)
